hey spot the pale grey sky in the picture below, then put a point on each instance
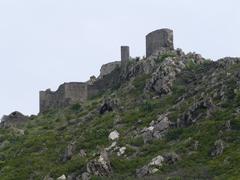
(44, 43)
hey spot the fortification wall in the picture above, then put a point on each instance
(110, 77)
(67, 94)
(76, 92)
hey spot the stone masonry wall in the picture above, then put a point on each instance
(67, 93)
(158, 40)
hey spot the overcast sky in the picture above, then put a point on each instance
(44, 43)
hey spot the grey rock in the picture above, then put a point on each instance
(108, 68)
(218, 148)
(47, 178)
(193, 114)
(157, 128)
(171, 158)
(228, 125)
(86, 176)
(100, 166)
(144, 171)
(69, 152)
(82, 153)
(14, 119)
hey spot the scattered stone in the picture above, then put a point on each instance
(228, 125)
(121, 151)
(82, 153)
(218, 148)
(151, 168)
(113, 145)
(114, 135)
(157, 161)
(63, 177)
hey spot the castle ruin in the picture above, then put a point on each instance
(125, 53)
(159, 40)
(78, 92)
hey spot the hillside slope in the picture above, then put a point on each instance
(171, 116)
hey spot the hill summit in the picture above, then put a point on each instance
(169, 115)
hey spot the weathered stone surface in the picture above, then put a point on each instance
(193, 114)
(157, 161)
(125, 54)
(82, 153)
(171, 158)
(158, 40)
(228, 125)
(86, 176)
(157, 128)
(100, 166)
(121, 151)
(218, 148)
(69, 152)
(114, 135)
(67, 94)
(106, 107)
(112, 146)
(63, 177)
(151, 167)
(4, 144)
(108, 68)
(144, 171)
(14, 119)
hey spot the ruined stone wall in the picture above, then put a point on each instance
(67, 94)
(159, 40)
(111, 75)
(76, 92)
(109, 81)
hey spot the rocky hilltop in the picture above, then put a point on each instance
(169, 115)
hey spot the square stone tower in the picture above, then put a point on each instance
(159, 40)
(125, 53)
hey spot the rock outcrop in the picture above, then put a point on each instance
(100, 166)
(108, 68)
(14, 119)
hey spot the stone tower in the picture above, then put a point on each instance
(158, 40)
(125, 54)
